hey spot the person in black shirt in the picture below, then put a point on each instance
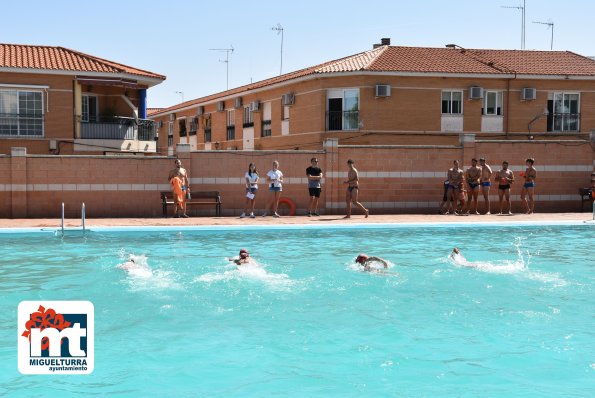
(314, 186)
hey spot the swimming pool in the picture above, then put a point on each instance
(518, 322)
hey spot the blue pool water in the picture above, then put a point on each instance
(516, 320)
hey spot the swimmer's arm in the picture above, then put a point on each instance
(378, 259)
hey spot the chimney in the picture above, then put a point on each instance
(385, 41)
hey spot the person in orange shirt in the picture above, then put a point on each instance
(180, 188)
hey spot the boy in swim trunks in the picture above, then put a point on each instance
(455, 179)
(486, 175)
(353, 190)
(473, 176)
(504, 177)
(529, 186)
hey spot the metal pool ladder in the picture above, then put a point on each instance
(82, 227)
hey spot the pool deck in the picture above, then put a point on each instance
(302, 220)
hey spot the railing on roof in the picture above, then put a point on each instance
(119, 128)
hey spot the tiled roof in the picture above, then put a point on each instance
(150, 111)
(60, 58)
(432, 60)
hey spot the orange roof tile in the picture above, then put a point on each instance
(60, 58)
(431, 60)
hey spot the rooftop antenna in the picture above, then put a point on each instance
(549, 24)
(522, 8)
(181, 93)
(227, 51)
(279, 30)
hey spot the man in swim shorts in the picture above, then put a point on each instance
(473, 178)
(486, 175)
(455, 179)
(529, 186)
(505, 177)
(353, 190)
(366, 261)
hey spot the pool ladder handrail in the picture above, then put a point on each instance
(82, 217)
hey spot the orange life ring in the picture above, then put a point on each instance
(289, 203)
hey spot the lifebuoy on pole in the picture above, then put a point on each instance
(289, 203)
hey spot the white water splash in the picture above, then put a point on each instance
(140, 276)
(252, 271)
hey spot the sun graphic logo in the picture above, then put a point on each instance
(56, 337)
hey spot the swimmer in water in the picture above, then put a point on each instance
(366, 261)
(128, 265)
(458, 258)
(243, 258)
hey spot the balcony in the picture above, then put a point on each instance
(342, 120)
(119, 128)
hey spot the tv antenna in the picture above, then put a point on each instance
(279, 30)
(522, 8)
(181, 93)
(549, 24)
(226, 60)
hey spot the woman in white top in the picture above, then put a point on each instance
(275, 181)
(251, 189)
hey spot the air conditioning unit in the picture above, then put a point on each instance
(220, 106)
(528, 93)
(172, 117)
(254, 106)
(382, 90)
(238, 102)
(475, 92)
(200, 111)
(288, 99)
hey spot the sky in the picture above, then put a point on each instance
(174, 38)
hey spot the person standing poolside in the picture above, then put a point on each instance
(504, 177)
(314, 174)
(473, 177)
(353, 190)
(529, 186)
(486, 175)
(178, 178)
(455, 180)
(251, 189)
(275, 181)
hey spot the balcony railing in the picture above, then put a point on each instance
(231, 133)
(266, 128)
(564, 121)
(119, 128)
(342, 120)
(21, 125)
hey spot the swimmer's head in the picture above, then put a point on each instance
(244, 253)
(361, 258)
(456, 250)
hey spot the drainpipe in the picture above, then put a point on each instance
(78, 109)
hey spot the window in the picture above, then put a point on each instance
(248, 117)
(492, 103)
(193, 126)
(564, 114)
(170, 134)
(266, 130)
(231, 128)
(452, 102)
(90, 109)
(182, 125)
(21, 113)
(343, 109)
(285, 112)
(208, 128)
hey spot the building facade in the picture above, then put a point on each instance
(54, 100)
(394, 95)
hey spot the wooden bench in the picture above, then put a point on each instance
(199, 198)
(586, 197)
